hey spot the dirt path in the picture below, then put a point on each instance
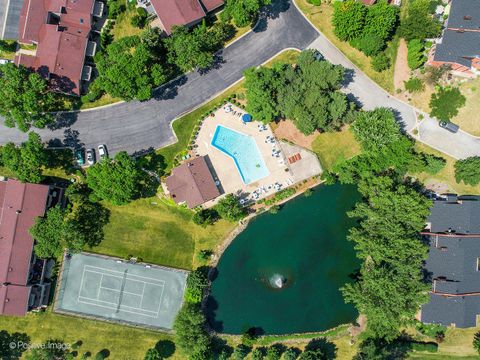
(286, 130)
(402, 71)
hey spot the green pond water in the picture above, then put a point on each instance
(283, 273)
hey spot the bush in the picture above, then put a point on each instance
(249, 337)
(274, 209)
(433, 164)
(115, 8)
(414, 85)
(281, 195)
(431, 330)
(476, 341)
(197, 282)
(468, 170)
(380, 62)
(369, 44)
(416, 56)
(140, 19)
(230, 209)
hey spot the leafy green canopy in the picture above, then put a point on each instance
(197, 282)
(446, 102)
(24, 98)
(468, 170)
(243, 12)
(390, 288)
(416, 56)
(130, 69)
(230, 209)
(419, 23)
(117, 180)
(27, 160)
(191, 335)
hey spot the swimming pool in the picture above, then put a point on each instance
(243, 150)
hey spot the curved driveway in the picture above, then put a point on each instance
(137, 126)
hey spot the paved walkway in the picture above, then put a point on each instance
(137, 126)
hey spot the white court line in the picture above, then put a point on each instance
(99, 287)
(109, 307)
(127, 278)
(122, 273)
(81, 284)
(115, 305)
(124, 292)
(143, 292)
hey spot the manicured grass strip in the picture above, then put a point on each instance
(336, 332)
(158, 233)
(331, 147)
(123, 342)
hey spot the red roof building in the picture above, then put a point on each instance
(20, 205)
(192, 183)
(60, 29)
(182, 12)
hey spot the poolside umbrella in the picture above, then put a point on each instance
(246, 118)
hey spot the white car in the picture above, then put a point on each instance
(102, 151)
(5, 61)
(90, 156)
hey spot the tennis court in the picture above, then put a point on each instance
(114, 289)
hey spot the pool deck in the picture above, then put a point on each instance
(280, 170)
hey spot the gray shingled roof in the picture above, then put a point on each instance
(464, 14)
(458, 47)
(9, 18)
(454, 258)
(461, 310)
(462, 217)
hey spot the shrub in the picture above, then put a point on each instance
(380, 62)
(197, 282)
(468, 170)
(476, 341)
(274, 209)
(421, 346)
(115, 8)
(416, 56)
(369, 44)
(431, 330)
(414, 85)
(249, 337)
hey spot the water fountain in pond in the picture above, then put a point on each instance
(277, 281)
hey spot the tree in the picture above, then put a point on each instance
(348, 19)
(413, 85)
(12, 352)
(380, 62)
(241, 352)
(390, 288)
(468, 170)
(153, 354)
(419, 23)
(26, 161)
(369, 44)
(433, 164)
(291, 354)
(190, 49)
(117, 180)
(376, 129)
(243, 12)
(140, 19)
(129, 69)
(48, 233)
(476, 341)
(197, 282)
(445, 103)
(416, 56)
(205, 217)
(317, 354)
(262, 86)
(381, 20)
(258, 353)
(274, 353)
(25, 99)
(230, 209)
(191, 335)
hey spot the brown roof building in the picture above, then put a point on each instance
(61, 30)
(20, 205)
(181, 12)
(192, 183)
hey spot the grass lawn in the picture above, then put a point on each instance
(467, 117)
(123, 342)
(105, 99)
(123, 26)
(321, 17)
(159, 232)
(331, 147)
(446, 175)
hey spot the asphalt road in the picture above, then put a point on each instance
(137, 126)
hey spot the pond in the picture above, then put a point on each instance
(282, 274)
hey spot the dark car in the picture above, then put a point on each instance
(449, 126)
(80, 157)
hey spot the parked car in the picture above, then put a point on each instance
(102, 151)
(5, 61)
(80, 157)
(449, 126)
(91, 156)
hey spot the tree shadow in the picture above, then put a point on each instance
(63, 120)
(165, 348)
(169, 90)
(271, 11)
(12, 344)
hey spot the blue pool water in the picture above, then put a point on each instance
(243, 150)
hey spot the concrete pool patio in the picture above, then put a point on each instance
(292, 165)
